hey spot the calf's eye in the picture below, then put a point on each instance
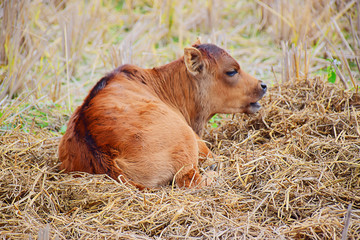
(231, 73)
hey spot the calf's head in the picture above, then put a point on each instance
(226, 87)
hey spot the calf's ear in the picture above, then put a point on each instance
(193, 60)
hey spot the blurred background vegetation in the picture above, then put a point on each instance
(53, 51)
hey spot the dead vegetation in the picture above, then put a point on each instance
(291, 171)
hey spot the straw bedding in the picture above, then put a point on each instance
(288, 172)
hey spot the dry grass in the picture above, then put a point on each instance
(291, 171)
(288, 172)
(59, 48)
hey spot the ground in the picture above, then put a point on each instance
(290, 171)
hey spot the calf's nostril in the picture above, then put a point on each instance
(263, 86)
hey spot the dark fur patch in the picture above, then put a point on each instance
(93, 149)
(211, 50)
(127, 72)
(98, 155)
(130, 72)
(101, 84)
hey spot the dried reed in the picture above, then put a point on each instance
(288, 172)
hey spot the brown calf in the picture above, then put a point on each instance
(143, 125)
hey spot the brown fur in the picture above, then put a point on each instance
(143, 125)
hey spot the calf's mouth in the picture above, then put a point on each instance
(254, 107)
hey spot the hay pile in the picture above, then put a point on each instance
(290, 172)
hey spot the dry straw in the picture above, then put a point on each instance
(290, 171)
